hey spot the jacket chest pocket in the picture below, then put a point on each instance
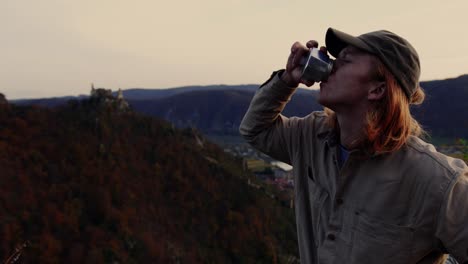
(318, 197)
(377, 242)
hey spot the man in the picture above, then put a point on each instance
(367, 189)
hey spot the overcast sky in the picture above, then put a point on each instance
(59, 47)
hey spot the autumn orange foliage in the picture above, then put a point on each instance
(87, 184)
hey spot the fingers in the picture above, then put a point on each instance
(294, 48)
(298, 50)
(323, 49)
(312, 44)
(307, 83)
(289, 63)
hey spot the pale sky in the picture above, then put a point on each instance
(59, 47)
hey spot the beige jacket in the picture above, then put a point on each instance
(410, 206)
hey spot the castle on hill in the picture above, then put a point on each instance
(105, 97)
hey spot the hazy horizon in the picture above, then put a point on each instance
(87, 92)
(57, 48)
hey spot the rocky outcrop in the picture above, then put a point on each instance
(3, 100)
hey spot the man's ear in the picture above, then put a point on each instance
(377, 91)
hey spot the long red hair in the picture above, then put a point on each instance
(389, 122)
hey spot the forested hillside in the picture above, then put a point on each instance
(89, 183)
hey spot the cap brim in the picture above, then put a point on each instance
(336, 40)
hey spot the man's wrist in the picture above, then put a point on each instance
(287, 79)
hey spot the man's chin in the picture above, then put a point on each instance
(326, 103)
(323, 101)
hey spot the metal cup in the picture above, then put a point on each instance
(317, 66)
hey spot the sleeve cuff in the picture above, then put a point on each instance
(277, 87)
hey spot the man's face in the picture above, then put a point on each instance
(348, 85)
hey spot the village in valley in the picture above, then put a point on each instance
(279, 175)
(275, 175)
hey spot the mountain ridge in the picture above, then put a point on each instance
(441, 113)
(147, 93)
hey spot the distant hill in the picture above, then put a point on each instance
(444, 113)
(48, 102)
(139, 94)
(136, 94)
(86, 182)
(219, 109)
(214, 112)
(146, 94)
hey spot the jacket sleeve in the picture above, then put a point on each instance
(452, 227)
(265, 128)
